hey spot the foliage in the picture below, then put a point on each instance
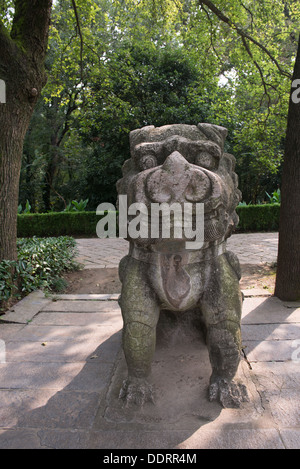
(143, 85)
(40, 263)
(257, 42)
(27, 208)
(58, 224)
(76, 206)
(258, 218)
(158, 62)
(275, 198)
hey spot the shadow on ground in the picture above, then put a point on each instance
(86, 413)
(65, 394)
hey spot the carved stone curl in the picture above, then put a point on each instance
(179, 164)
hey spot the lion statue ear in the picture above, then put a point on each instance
(215, 133)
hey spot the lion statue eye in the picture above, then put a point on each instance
(147, 162)
(206, 160)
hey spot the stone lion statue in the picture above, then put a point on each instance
(182, 164)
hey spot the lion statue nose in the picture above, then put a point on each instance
(175, 162)
(177, 181)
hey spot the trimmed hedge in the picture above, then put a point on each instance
(252, 218)
(258, 217)
(58, 224)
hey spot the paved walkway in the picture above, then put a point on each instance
(61, 366)
(254, 248)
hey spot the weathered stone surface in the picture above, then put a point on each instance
(92, 376)
(36, 395)
(78, 319)
(268, 350)
(66, 333)
(268, 311)
(203, 438)
(7, 331)
(60, 351)
(255, 292)
(27, 308)
(286, 408)
(291, 438)
(180, 377)
(232, 438)
(19, 438)
(48, 409)
(259, 332)
(180, 164)
(81, 306)
(87, 297)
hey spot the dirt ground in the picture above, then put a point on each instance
(107, 280)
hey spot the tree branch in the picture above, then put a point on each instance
(81, 37)
(8, 50)
(243, 34)
(261, 76)
(30, 27)
(211, 36)
(72, 106)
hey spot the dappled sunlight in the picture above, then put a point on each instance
(64, 371)
(269, 329)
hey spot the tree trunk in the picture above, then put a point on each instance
(13, 123)
(288, 264)
(22, 54)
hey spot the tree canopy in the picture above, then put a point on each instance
(115, 66)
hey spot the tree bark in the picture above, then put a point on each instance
(13, 123)
(22, 54)
(288, 263)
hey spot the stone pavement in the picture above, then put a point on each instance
(61, 366)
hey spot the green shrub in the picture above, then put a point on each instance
(27, 208)
(258, 217)
(58, 224)
(76, 206)
(252, 218)
(40, 264)
(275, 198)
(7, 285)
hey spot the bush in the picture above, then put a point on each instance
(58, 224)
(76, 206)
(40, 264)
(258, 217)
(252, 218)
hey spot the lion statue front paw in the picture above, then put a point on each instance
(230, 394)
(136, 391)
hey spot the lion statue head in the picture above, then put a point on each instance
(183, 164)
